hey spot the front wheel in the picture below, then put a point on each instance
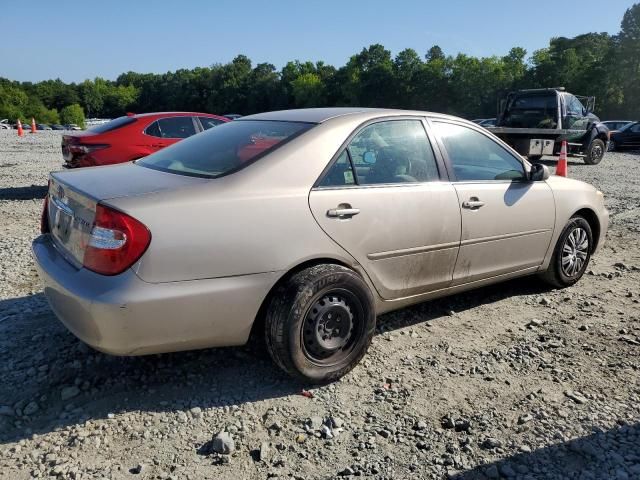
(320, 323)
(571, 254)
(595, 152)
(612, 146)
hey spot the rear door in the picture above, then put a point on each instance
(384, 201)
(507, 220)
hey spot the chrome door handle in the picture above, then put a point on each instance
(472, 204)
(343, 212)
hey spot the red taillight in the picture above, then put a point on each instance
(44, 219)
(117, 241)
(82, 149)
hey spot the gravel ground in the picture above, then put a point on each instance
(510, 381)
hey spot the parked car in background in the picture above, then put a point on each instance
(72, 126)
(133, 136)
(615, 125)
(232, 116)
(627, 137)
(56, 126)
(307, 224)
(42, 126)
(4, 124)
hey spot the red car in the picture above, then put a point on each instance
(133, 136)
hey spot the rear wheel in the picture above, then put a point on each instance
(595, 152)
(571, 255)
(320, 323)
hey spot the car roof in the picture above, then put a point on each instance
(172, 114)
(320, 115)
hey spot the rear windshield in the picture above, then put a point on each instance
(224, 149)
(113, 124)
(535, 102)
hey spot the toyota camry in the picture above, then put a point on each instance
(303, 226)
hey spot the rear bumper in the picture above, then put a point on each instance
(123, 315)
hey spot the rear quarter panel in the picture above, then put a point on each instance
(253, 221)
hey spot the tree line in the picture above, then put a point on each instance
(599, 64)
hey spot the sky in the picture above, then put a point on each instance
(78, 39)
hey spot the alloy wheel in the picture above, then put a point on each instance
(575, 252)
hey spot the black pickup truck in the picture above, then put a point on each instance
(534, 122)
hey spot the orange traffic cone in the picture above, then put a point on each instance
(33, 125)
(20, 131)
(561, 168)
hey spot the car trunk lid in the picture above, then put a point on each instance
(74, 195)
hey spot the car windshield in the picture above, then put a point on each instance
(224, 149)
(626, 127)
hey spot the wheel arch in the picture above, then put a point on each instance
(592, 219)
(257, 328)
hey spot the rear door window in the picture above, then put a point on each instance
(394, 151)
(153, 130)
(388, 152)
(173, 127)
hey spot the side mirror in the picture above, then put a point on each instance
(369, 157)
(538, 172)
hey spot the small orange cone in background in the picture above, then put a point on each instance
(20, 131)
(561, 168)
(33, 125)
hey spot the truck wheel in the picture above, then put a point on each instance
(595, 153)
(320, 323)
(571, 254)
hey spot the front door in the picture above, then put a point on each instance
(383, 201)
(507, 220)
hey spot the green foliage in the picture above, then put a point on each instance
(72, 114)
(598, 64)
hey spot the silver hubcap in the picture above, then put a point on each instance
(597, 152)
(574, 252)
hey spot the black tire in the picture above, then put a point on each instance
(560, 275)
(320, 322)
(595, 153)
(611, 147)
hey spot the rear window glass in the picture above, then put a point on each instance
(224, 149)
(113, 124)
(535, 102)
